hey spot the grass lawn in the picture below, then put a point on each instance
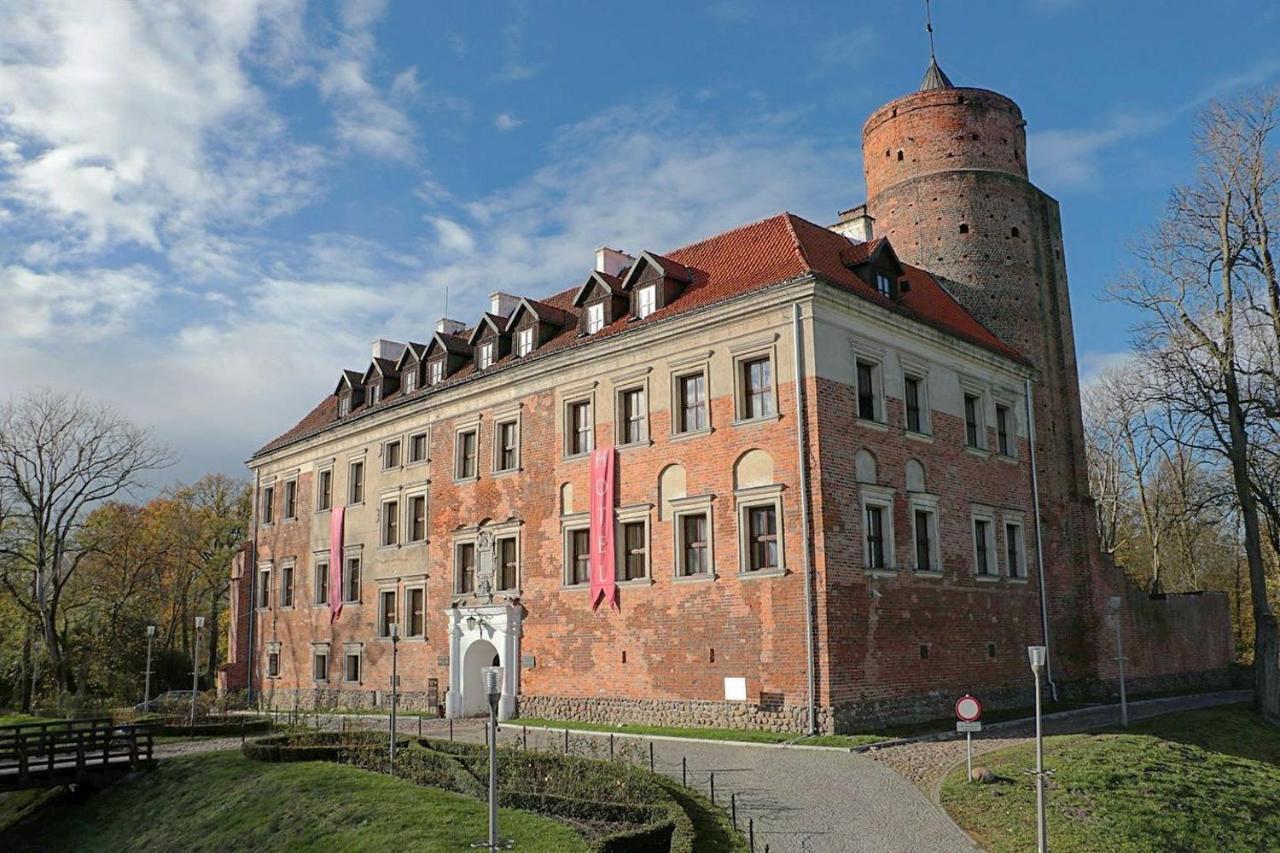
(223, 801)
(14, 719)
(740, 735)
(1198, 780)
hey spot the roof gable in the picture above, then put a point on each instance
(443, 342)
(412, 352)
(612, 283)
(491, 321)
(541, 311)
(668, 267)
(348, 380)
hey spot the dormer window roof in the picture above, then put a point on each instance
(668, 268)
(877, 264)
(488, 322)
(541, 311)
(413, 354)
(597, 279)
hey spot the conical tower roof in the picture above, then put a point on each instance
(935, 77)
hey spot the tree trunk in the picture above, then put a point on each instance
(27, 671)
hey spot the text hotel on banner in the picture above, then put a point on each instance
(603, 581)
(335, 562)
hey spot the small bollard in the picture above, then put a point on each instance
(242, 732)
(419, 725)
(611, 747)
(344, 725)
(733, 810)
(650, 756)
(684, 771)
(524, 737)
(751, 834)
(450, 728)
(566, 741)
(713, 789)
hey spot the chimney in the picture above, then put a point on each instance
(611, 261)
(856, 224)
(502, 304)
(449, 327)
(383, 348)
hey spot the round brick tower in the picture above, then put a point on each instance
(947, 183)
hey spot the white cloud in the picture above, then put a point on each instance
(89, 306)
(1093, 363)
(515, 66)
(506, 121)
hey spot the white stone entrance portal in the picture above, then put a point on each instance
(476, 636)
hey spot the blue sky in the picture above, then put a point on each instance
(207, 210)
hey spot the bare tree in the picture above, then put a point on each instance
(1204, 290)
(60, 455)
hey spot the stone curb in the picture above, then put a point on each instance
(678, 739)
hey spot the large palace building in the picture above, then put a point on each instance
(788, 476)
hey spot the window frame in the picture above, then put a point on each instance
(754, 498)
(460, 475)
(459, 574)
(919, 375)
(407, 632)
(408, 535)
(882, 498)
(425, 437)
(320, 650)
(986, 516)
(499, 564)
(651, 291)
(526, 341)
(273, 660)
(264, 585)
(392, 447)
(287, 580)
(289, 500)
(681, 408)
(355, 483)
(409, 379)
(624, 421)
(745, 355)
(928, 505)
(348, 557)
(436, 371)
(595, 317)
(485, 355)
(267, 505)
(324, 493)
(570, 525)
(349, 651)
(389, 520)
(1017, 570)
(344, 404)
(682, 509)
(499, 443)
(875, 382)
(387, 592)
(629, 515)
(573, 398)
(1004, 433)
(320, 563)
(978, 393)
(883, 284)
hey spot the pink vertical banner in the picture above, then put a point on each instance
(603, 578)
(336, 518)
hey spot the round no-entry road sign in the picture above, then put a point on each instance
(968, 708)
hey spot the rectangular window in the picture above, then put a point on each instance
(418, 518)
(911, 394)
(268, 505)
(1002, 430)
(465, 462)
(508, 564)
(595, 318)
(508, 446)
(866, 390)
(386, 612)
(484, 357)
(635, 550)
(321, 585)
(391, 455)
(409, 380)
(344, 405)
(924, 541)
(579, 569)
(757, 389)
(465, 567)
(875, 538)
(320, 665)
(351, 669)
(355, 483)
(634, 416)
(291, 499)
(693, 544)
(351, 581)
(883, 284)
(418, 448)
(693, 402)
(324, 489)
(435, 371)
(762, 537)
(1014, 551)
(390, 522)
(581, 428)
(286, 585)
(646, 301)
(264, 588)
(415, 612)
(982, 546)
(273, 664)
(972, 424)
(524, 341)
(374, 393)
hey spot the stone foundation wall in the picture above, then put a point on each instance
(325, 699)
(663, 712)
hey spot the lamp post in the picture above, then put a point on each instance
(1037, 655)
(195, 668)
(395, 683)
(493, 687)
(146, 691)
(1113, 607)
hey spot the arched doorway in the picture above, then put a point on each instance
(479, 654)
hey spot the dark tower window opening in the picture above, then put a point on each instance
(1014, 232)
(960, 99)
(964, 228)
(899, 155)
(924, 652)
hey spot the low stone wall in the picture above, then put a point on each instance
(325, 699)
(671, 712)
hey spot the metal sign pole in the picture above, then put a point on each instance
(968, 759)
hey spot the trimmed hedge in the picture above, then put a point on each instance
(216, 728)
(645, 811)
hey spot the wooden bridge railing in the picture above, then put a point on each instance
(44, 754)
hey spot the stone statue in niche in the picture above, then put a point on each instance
(484, 565)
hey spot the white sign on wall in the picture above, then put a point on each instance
(735, 689)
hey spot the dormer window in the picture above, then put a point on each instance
(484, 358)
(646, 301)
(595, 318)
(375, 393)
(344, 405)
(435, 372)
(524, 341)
(409, 380)
(883, 284)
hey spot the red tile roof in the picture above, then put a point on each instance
(752, 257)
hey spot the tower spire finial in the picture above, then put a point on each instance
(928, 25)
(934, 78)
